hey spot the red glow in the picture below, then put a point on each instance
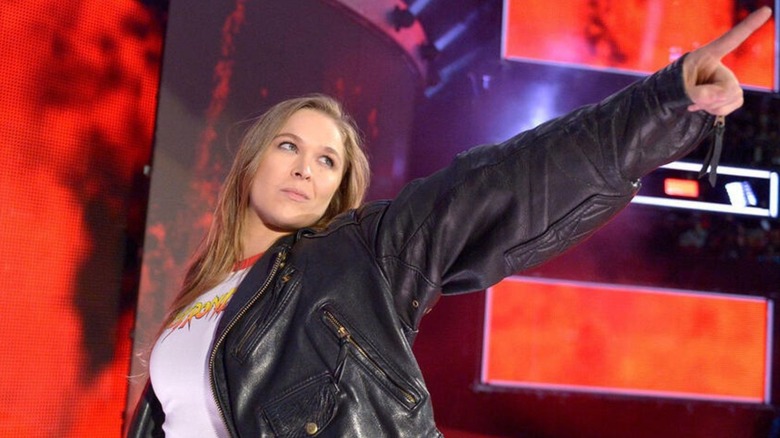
(639, 37)
(684, 188)
(78, 86)
(626, 340)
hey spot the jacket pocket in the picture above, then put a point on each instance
(305, 410)
(353, 345)
(262, 314)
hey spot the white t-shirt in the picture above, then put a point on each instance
(179, 364)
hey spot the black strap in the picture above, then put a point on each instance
(713, 154)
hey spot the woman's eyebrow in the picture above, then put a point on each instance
(328, 149)
(287, 134)
(333, 151)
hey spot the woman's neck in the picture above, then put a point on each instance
(258, 238)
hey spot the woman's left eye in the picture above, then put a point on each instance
(326, 160)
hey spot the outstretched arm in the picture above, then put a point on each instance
(501, 209)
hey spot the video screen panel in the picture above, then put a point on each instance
(589, 337)
(78, 94)
(637, 37)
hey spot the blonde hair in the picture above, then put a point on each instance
(222, 247)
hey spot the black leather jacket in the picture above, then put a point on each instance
(317, 340)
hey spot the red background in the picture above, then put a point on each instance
(603, 338)
(78, 86)
(635, 36)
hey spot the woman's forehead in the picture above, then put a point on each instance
(315, 128)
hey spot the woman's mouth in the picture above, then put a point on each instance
(295, 195)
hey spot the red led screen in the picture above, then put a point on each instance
(78, 85)
(634, 36)
(684, 188)
(589, 337)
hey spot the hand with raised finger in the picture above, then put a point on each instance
(712, 86)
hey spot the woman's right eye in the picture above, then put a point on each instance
(288, 146)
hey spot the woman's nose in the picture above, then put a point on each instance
(302, 170)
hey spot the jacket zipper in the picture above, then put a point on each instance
(244, 340)
(346, 338)
(278, 262)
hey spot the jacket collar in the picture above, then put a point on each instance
(257, 275)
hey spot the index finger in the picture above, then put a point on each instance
(730, 40)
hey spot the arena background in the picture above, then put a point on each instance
(95, 230)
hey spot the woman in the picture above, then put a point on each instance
(314, 339)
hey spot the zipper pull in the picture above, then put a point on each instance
(341, 361)
(713, 155)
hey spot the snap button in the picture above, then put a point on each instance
(415, 304)
(311, 428)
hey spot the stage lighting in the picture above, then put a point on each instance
(741, 194)
(743, 191)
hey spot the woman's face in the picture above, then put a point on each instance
(298, 174)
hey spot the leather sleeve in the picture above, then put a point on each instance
(148, 417)
(500, 209)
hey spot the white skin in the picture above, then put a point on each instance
(711, 85)
(298, 175)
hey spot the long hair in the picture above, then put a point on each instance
(222, 248)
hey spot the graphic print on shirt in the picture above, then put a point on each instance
(199, 310)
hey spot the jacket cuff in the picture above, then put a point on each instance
(669, 84)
